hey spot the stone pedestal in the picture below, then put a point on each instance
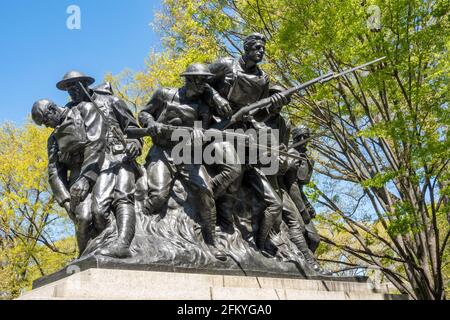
(108, 284)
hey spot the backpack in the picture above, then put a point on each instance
(71, 133)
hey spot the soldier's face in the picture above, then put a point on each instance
(76, 93)
(196, 85)
(256, 51)
(303, 146)
(51, 116)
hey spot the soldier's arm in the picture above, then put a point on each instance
(94, 151)
(221, 68)
(57, 173)
(310, 168)
(205, 116)
(299, 197)
(290, 176)
(219, 105)
(309, 207)
(153, 108)
(278, 100)
(293, 163)
(126, 120)
(293, 188)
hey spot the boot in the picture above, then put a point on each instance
(207, 213)
(210, 241)
(117, 250)
(263, 234)
(126, 224)
(217, 253)
(210, 235)
(84, 232)
(269, 250)
(225, 206)
(300, 243)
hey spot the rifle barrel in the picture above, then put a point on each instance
(356, 68)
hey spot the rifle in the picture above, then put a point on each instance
(297, 144)
(116, 133)
(264, 103)
(136, 133)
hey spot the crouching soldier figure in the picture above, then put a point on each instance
(76, 150)
(168, 109)
(115, 187)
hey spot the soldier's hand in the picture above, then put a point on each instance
(64, 156)
(154, 129)
(224, 110)
(79, 191)
(132, 150)
(278, 101)
(221, 105)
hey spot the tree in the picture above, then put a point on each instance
(35, 237)
(386, 129)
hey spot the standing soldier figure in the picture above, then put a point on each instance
(115, 187)
(290, 213)
(169, 109)
(242, 82)
(297, 176)
(76, 151)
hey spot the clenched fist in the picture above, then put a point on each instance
(78, 192)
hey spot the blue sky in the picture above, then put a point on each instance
(37, 48)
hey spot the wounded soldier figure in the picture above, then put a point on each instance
(76, 151)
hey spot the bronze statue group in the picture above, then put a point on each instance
(94, 175)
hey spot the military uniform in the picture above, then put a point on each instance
(116, 185)
(297, 176)
(76, 149)
(290, 212)
(238, 85)
(241, 86)
(172, 107)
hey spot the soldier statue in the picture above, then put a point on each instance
(297, 176)
(115, 187)
(257, 199)
(242, 82)
(167, 110)
(76, 151)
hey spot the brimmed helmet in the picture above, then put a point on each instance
(197, 69)
(301, 131)
(74, 76)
